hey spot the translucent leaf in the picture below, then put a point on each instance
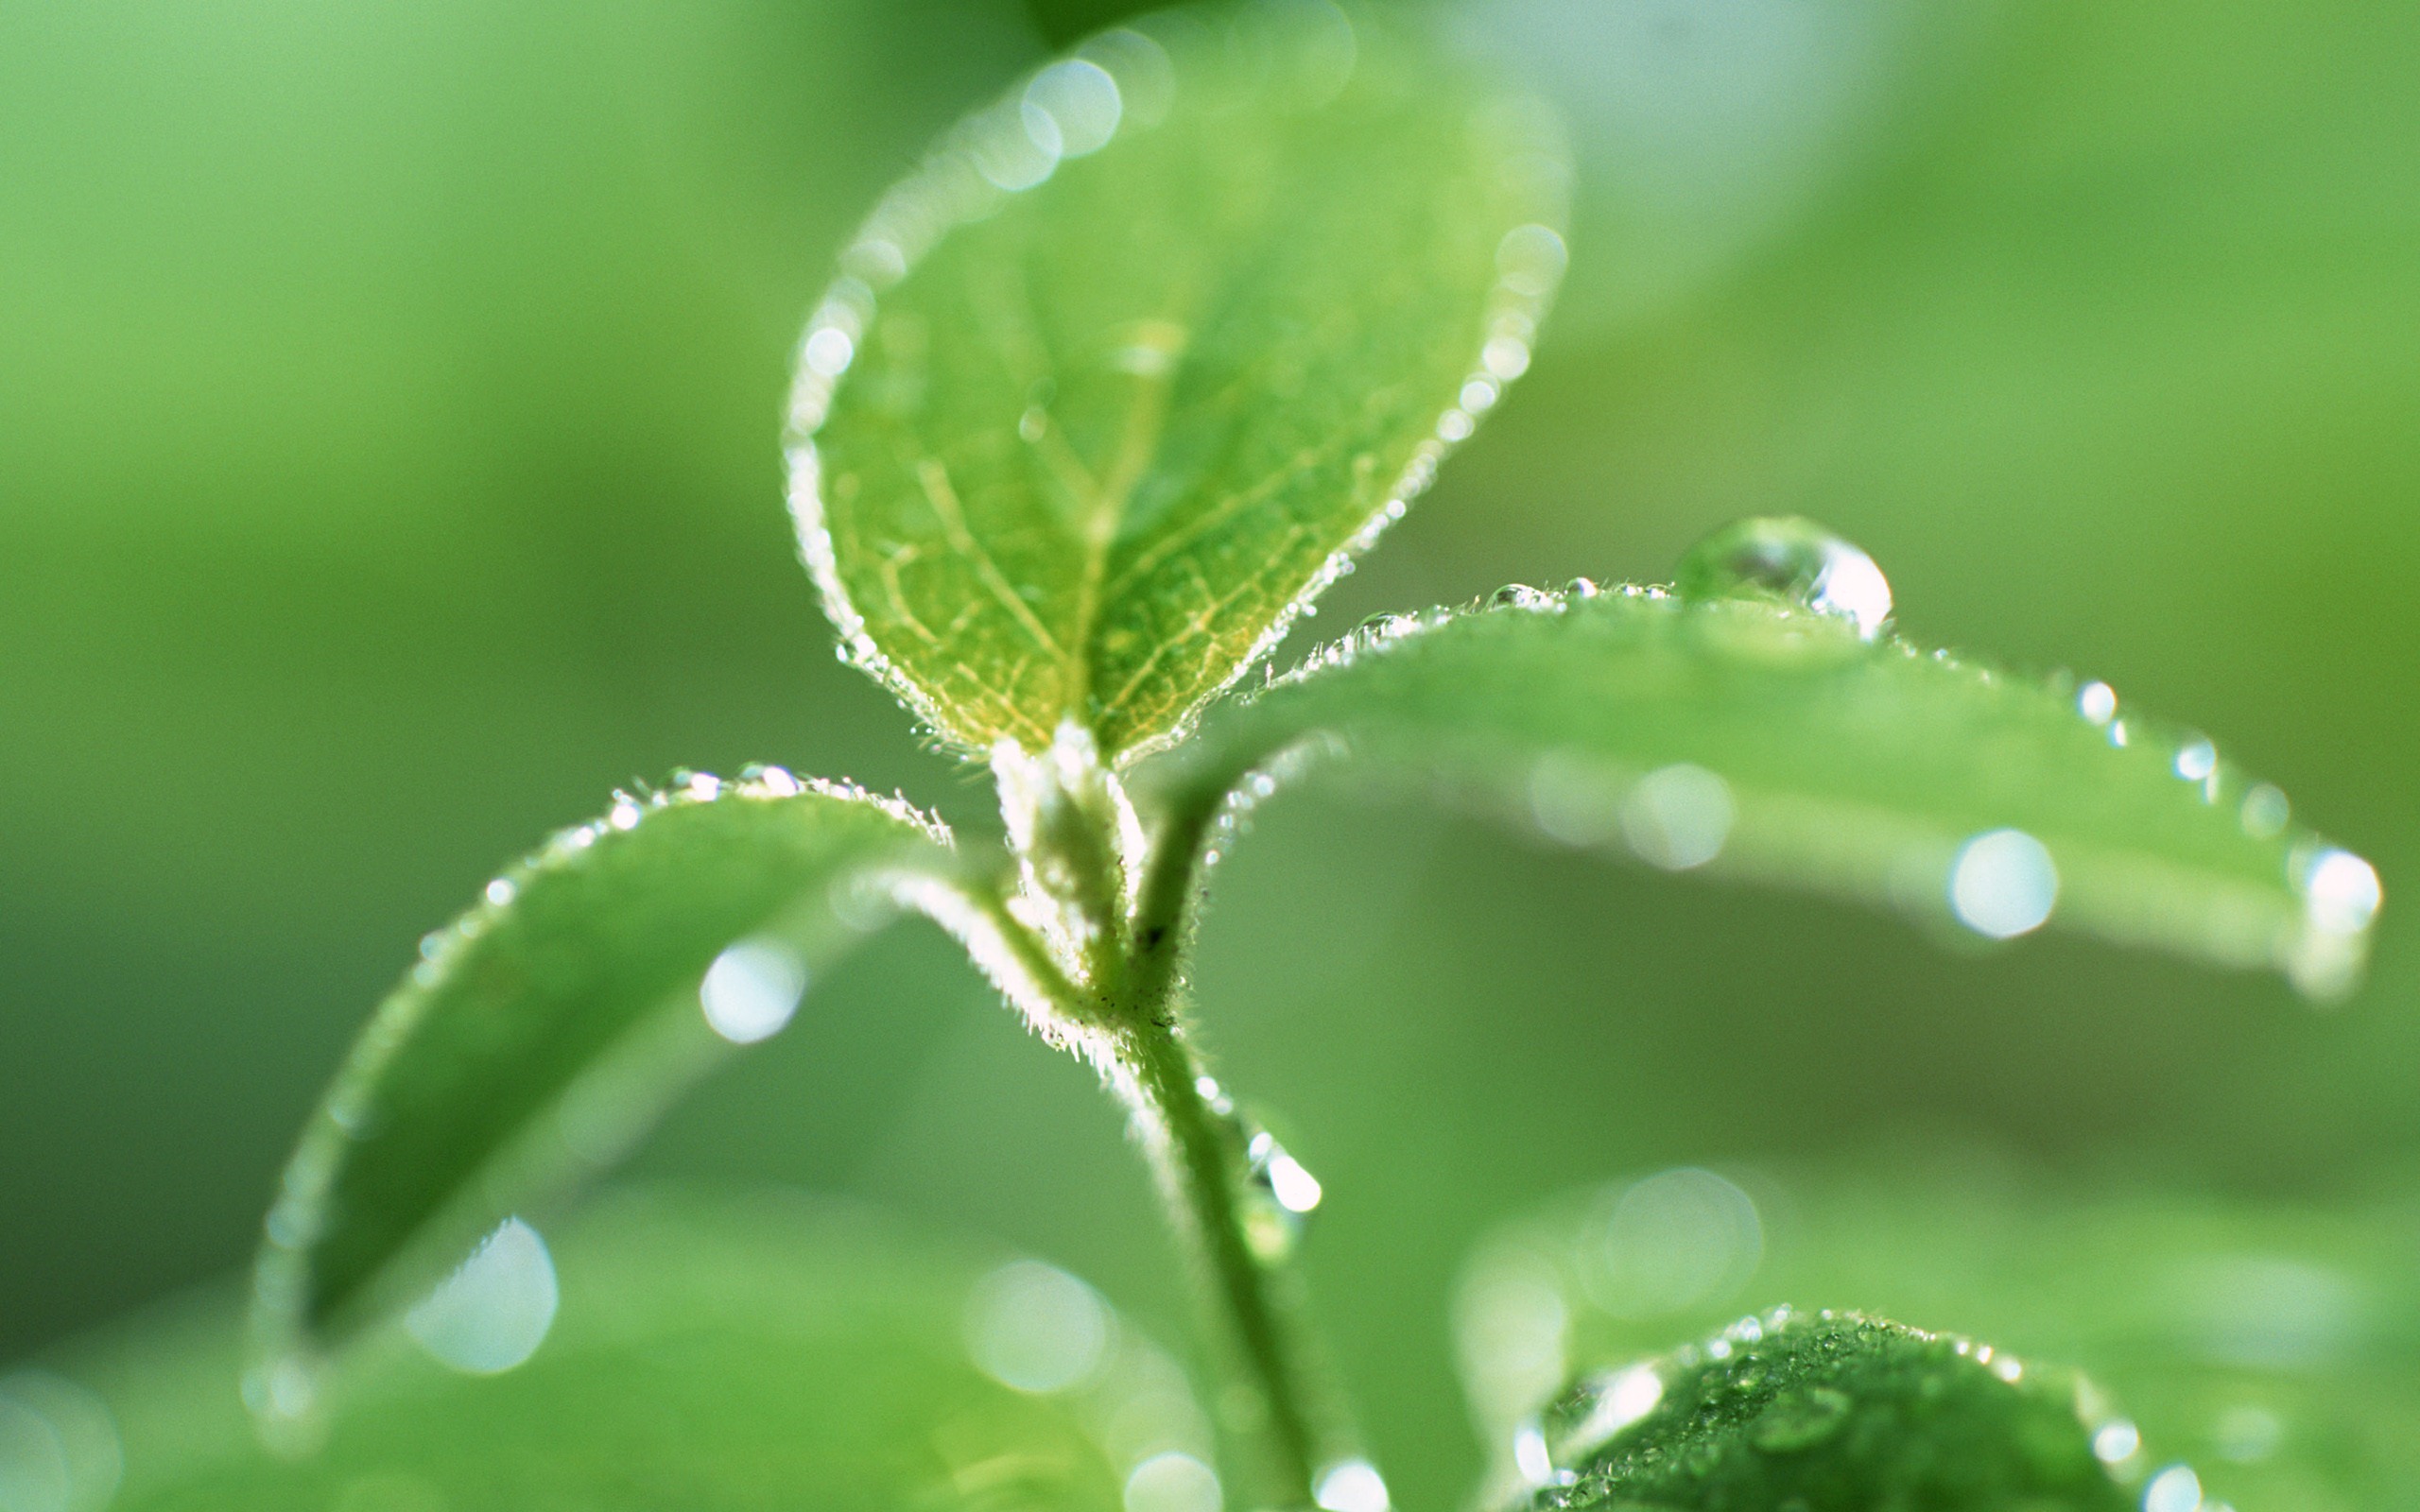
(1832, 1413)
(1121, 378)
(545, 1029)
(1791, 742)
(2268, 1349)
(722, 1354)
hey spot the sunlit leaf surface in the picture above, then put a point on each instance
(1123, 375)
(1829, 1412)
(2266, 1350)
(716, 1353)
(544, 1029)
(1796, 743)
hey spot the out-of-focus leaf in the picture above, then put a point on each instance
(722, 1354)
(544, 1030)
(1832, 1413)
(2267, 1349)
(1746, 734)
(1121, 378)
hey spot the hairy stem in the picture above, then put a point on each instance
(1205, 1178)
(1205, 1174)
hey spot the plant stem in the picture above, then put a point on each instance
(1204, 1171)
(1203, 1178)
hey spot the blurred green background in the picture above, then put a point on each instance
(388, 401)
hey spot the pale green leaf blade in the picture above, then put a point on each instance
(544, 1029)
(2269, 1347)
(1746, 735)
(722, 1354)
(1829, 1413)
(1124, 374)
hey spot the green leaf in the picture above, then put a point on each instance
(1119, 380)
(724, 1353)
(1834, 1412)
(544, 1030)
(2269, 1347)
(1755, 735)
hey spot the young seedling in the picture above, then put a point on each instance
(1104, 395)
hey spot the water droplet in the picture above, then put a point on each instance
(1454, 426)
(1529, 1456)
(1082, 100)
(2264, 811)
(1802, 1419)
(493, 1313)
(2197, 761)
(1518, 595)
(1479, 396)
(1036, 1329)
(2173, 1489)
(1792, 558)
(1034, 423)
(1505, 358)
(2003, 883)
(1677, 817)
(829, 352)
(2116, 1443)
(1616, 1403)
(500, 891)
(1581, 588)
(2117, 733)
(2098, 702)
(1146, 79)
(1281, 1175)
(2341, 892)
(1530, 260)
(751, 989)
(1351, 1486)
(624, 817)
(1174, 1482)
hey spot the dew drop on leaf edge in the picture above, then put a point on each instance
(1790, 559)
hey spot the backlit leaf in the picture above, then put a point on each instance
(1831, 1413)
(720, 1354)
(546, 1028)
(1746, 734)
(1122, 377)
(2267, 1347)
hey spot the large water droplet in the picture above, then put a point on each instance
(495, 1312)
(1286, 1182)
(2173, 1489)
(751, 989)
(1792, 558)
(1174, 1482)
(1351, 1486)
(2003, 883)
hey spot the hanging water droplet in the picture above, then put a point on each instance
(1519, 596)
(493, 1312)
(1284, 1178)
(1351, 1486)
(1792, 558)
(1581, 588)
